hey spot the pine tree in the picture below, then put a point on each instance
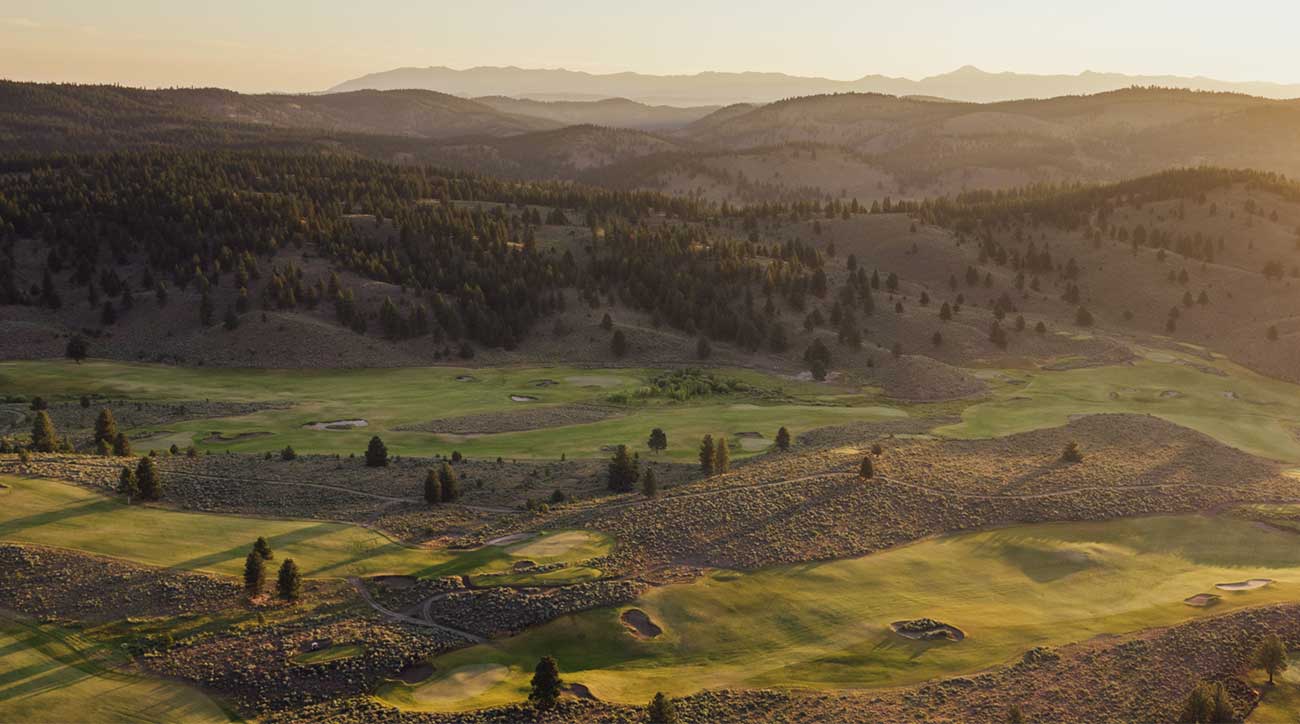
(707, 454)
(623, 471)
(146, 475)
(262, 547)
(546, 684)
(649, 485)
(721, 456)
(376, 453)
(661, 710)
(254, 574)
(432, 488)
(658, 441)
(105, 427)
(618, 344)
(44, 438)
(1271, 656)
(1207, 704)
(76, 349)
(127, 485)
(121, 445)
(289, 583)
(868, 470)
(783, 439)
(449, 483)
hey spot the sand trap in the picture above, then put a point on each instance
(466, 378)
(395, 582)
(336, 425)
(523, 398)
(1202, 600)
(926, 629)
(638, 624)
(223, 437)
(750, 435)
(415, 673)
(461, 684)
(1248, 585)
(581, 691)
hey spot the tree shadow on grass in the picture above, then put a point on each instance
(13, 527)
(239, 552)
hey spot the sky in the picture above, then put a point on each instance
(301, 45)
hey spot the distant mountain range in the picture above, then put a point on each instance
(964, 84)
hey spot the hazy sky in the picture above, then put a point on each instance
(261, 45)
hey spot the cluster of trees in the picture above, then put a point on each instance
(288, 583)
(442, 486)
(144, 482)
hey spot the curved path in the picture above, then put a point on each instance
(397, 616)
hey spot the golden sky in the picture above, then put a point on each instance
(296, 45)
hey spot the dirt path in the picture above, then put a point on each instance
(396, 616)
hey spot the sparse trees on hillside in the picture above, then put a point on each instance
(121, 445)
(618, 344)
(1208, 703)
(262, 547)
(867, 470)
(432, 488)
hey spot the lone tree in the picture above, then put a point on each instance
(262, 547)
(783, 439)
(661, 710)
(618, 344)
(77, 349)
(546, 683)
(624, 471)
(105, 427)
(1271, 656)
(127, 485)
(376, 453)
(1071, 453)
(289, 583)
(432, 488)
(1207, 704)
(707, 454)
(254, 574)
(44, 439)
(868, 470)
(448, 483)
(121, 445)
(658, 441)
(649, 485)
(146, 474)
(721, 456)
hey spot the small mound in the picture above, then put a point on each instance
(1202, 600)
(415, 673)
(223, 437)
(638, 624)
(336, 425)
(922, 379)
(524, 565)
(580, 691)
(926, 629)
(1247, 585)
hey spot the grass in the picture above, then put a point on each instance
(53, 513)
(1280, 703)
(48, 674)
(1241, 408)
(389, 398)
(338, 652)
(826, 624)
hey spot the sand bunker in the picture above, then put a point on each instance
(506, 540)
(461, 684)
(223, 437)
(581, 691)
(415, 673)
(336, 425)
(466, 378)
(523, 398)
(926, 629)
(1248, 585)
(638, 624)
(1202, 600)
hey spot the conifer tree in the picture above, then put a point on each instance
(121, 445)
(707, 455)
(658, 441)
(432, 488)
(146, 475)
(254, 574)
(44, 438)
(105, 427)
(127, 485)
(661, 710)
(449, 483)
(289, 583)
(721, 455)
(783, 439)
(623, 471)
(376, 453)
(546, 684)
(868, 470)
(262, 547)
(649, 485)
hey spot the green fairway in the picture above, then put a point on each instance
(1240, 408)
(390, 398)
(52, 513)
(826, 624)
(52, 675)
(1280, 703)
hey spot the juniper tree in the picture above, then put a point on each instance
(783, 439)
(649, 485)
(376, 453)
(44, 438)
(254, 574)
(105, 427)
(432, 488)
(658, 441)
(146, 475)
(262, 547)
(707, 455)
(618, 344)
(76, 349)
(546, 684)
(721, 456)
(661, 710)
(1208, 704)
(289, 583)
(1071, 453)
(623, 471)
(448, 483)
(121, 445)
(127, 485)
(867, 470)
